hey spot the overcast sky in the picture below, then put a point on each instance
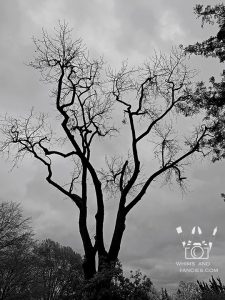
(118, 30)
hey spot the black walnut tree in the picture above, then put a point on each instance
(89, 98)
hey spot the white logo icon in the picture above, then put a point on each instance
(197, 249)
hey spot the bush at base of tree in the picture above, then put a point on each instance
(136, 286)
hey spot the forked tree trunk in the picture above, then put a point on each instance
(106, 261)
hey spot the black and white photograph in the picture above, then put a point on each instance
(112, 150)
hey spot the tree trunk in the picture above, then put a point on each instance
(117, 236)
(89, 266)
(99, 288)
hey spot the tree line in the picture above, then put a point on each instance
(45, 270)
(30, 269)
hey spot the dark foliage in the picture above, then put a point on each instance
(214, 290)
(136, 286)
(211, 98)
(214, 45)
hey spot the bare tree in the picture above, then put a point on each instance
(14, 228)
(58, 271)
(87, 98)
(16, 244)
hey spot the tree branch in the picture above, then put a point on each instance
(173, 164)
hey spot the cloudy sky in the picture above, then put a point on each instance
(118, 30)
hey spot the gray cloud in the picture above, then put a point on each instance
(117, 29)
